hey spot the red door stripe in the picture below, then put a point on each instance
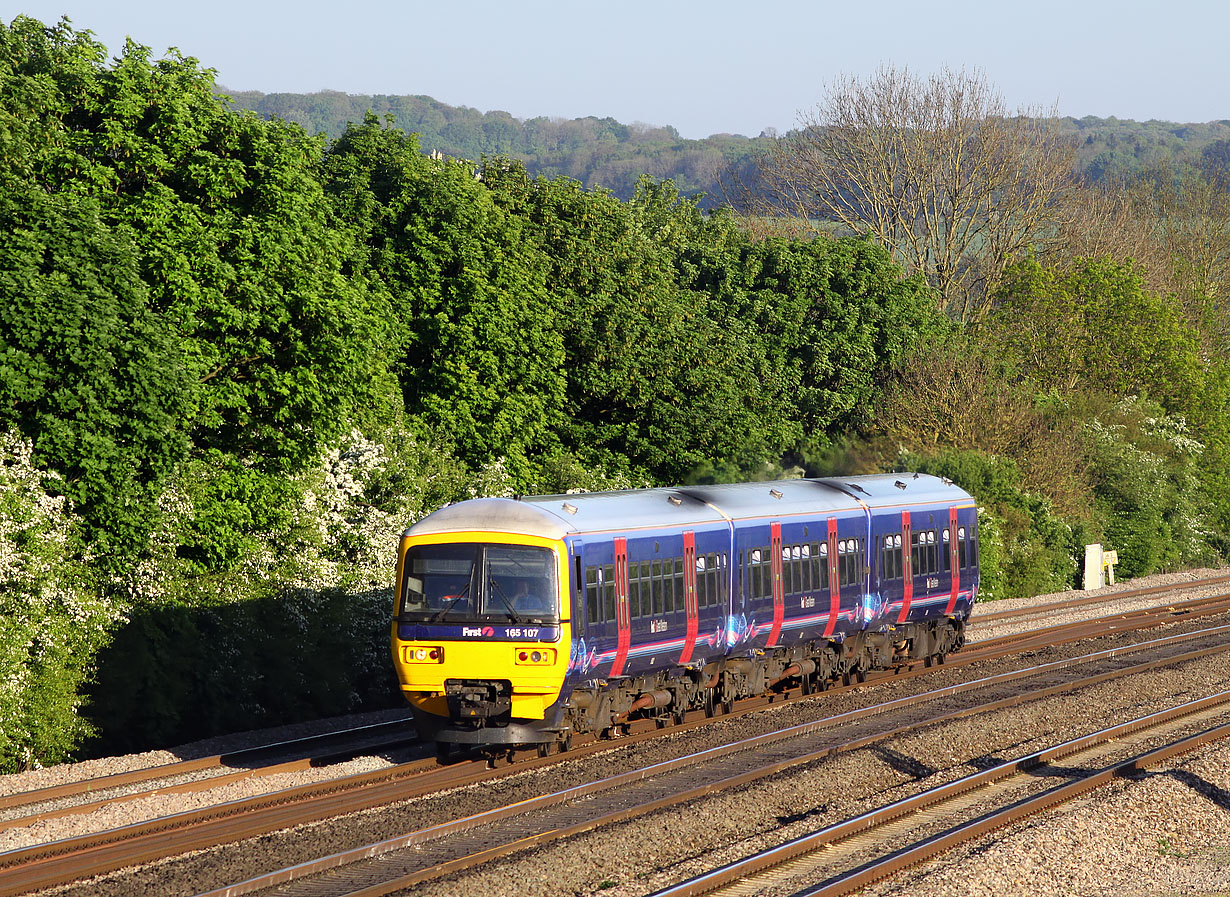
(689, 593)
(953, 558)
(622, 618)
(908, 561)
(834, 581)
(779, 602)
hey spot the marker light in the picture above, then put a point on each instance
(535, 656)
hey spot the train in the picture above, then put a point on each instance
(521, 622)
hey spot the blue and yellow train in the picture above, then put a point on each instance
(524, 621)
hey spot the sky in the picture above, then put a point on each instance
(704, 68)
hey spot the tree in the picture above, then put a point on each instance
(938, 171)
(89, 372)
(1188, 215)
(1093, 326)
(194, 251)
(662, 374)
(477, 344)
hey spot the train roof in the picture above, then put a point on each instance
(557, 516)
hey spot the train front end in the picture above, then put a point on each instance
(482, 633)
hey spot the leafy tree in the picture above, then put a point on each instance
(226, 260)
(1093, 325)
(87, 370)
(658, 373)
(852, 318)
(478, 333)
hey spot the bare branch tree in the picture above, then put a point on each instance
(937, 170)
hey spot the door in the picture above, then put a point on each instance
(907, 561)
(779, 600)
(953, 560)
(623, 619)
(689, 595)
(834, 581)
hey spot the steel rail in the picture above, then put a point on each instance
(1090, 600)
(375, 734)
(746, 870)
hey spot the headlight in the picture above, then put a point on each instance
(535, 656)
(422, 654)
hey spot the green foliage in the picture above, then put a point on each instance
(657, 373)
(87, 370)
(1147, 489)
(1114, 149)
(480, 347)
(598, 153)
(52, 622)
(1093, 325)
(845, 317)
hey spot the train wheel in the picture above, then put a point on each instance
(544, 749)
(680, 716)
(710, 703)
(806, 685)
(660, 721)
(444, 753)
(564, 744)
(861, 674)
(728, 705)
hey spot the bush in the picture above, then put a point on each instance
(294, 626)
(52, 622)
(1147, 489)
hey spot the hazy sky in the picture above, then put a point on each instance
(706, 68)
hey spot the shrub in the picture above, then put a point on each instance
(1147, 488)
(52, 621)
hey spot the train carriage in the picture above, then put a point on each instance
(523, 621)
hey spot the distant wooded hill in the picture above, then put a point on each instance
(601, 152)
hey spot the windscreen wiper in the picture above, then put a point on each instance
(495, 586)
(439, 615)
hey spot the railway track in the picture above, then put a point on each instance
(394, 864)
(209, 772)
(136, 843)
(1014, 790)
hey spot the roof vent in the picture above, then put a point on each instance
(776, 493)
(674, 500)
(899, 484)
(571, 509)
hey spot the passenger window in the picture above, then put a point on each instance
(608, 591)
(681, 601)
(634, 589)
(593, 602)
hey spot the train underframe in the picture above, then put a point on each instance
(480, 715)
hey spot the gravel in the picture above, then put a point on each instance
(1168, 833)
